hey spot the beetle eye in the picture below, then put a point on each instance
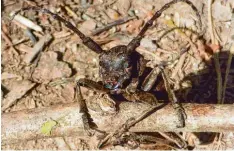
(100, 63)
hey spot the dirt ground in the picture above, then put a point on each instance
(48, 78)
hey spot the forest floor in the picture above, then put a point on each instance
(48, 77)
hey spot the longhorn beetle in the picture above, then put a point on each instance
(121, 66)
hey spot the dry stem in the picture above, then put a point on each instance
(27, 124)
(216, 53)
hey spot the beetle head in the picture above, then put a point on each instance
(115, 67)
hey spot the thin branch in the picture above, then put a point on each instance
(231, 53)
(66, 119)
(216, 53)
(9, 42)
(110, 25)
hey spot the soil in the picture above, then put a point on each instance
(49, 77)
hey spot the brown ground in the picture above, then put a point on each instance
(36, 84)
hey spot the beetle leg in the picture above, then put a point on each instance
(83, 111)
(83, 107)
(95, 86)
(132, 87)
(150, 79)
(131, 92)
(175, 138)
(175, 103)
(141, 64)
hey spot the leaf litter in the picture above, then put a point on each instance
(66, 57)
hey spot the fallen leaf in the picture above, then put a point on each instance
(48, 126)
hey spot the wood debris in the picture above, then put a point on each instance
(26, 22)
(27, 124)
(38, 47)
(18, 91)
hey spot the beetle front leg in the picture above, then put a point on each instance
(150, 79)
(83, 107)
(132, 93)
(83, 111)
(132, 87)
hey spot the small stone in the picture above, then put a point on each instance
(50, 68)
(88, 26)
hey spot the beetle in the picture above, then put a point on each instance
(120, 67)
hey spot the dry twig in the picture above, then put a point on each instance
(26, 125)
(231, 53)
(37, 48)
(110, 25)
(216, 53)
(8, 40)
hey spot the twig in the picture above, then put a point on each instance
(9, 4)
(219, 77)
(104, 5)
(26, 22)
(31, 36)
(172, 137)
(231, 53)
(179, 65)
(126, 126)
(24, 48)
(31, 3)
(19, 24)
(37, 48)
(26, 124)
(8, 40)
(216, 53)
(110, 25)
(62, 81)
